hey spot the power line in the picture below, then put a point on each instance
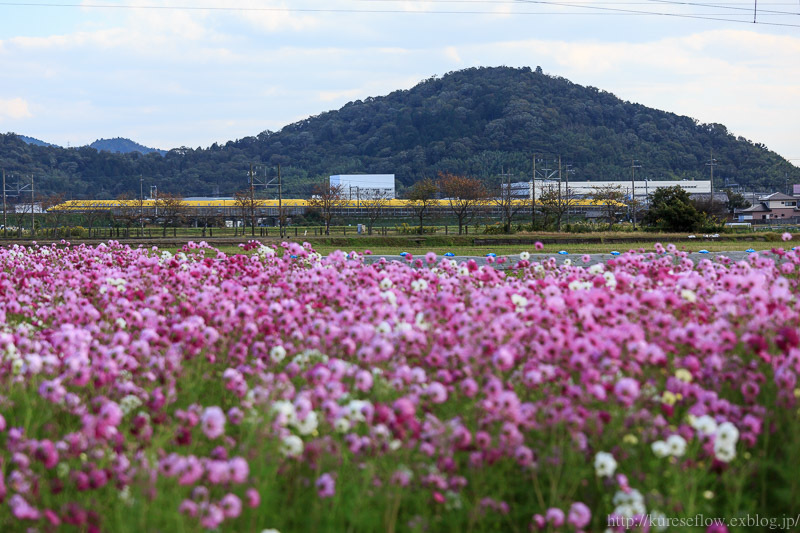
(747, 9)
(665, 14)
(596, 10)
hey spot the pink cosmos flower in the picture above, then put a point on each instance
(253, 498)
(231, 505)
(364, 380)
(579, 515)
(554, 516)
(212, 517)
(213, 422)
(626, 390)
(786, 236)
(538, 245)
(239, 470)
(326, 486)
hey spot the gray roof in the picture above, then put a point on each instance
(755, 208)
(777, 196)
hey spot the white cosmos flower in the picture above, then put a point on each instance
(689, 295)
(386, 284)
(660, 448)
(727, 434)
(287, 414)
(308, 425)
(704, 425)
(723, 451)
(390, 297)
(524, 256)
(277, 353)
(342, 425)
(604, 464)
(676, 445)
(596, 268)
(629, 504)
(519, 301)
(292, 446)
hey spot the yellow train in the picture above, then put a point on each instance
(292, 204)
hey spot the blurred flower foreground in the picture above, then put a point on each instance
(280, 390)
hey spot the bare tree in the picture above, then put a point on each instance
(54, 216)
(374, 202)
(327, 198)
(91, 215)
(555, 202)
(247, 205)
(129, 211)
(420, 198)
(172, 210)
(609, 199)
(509, 204)
(463, 194)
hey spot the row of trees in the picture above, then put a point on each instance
(670, 209)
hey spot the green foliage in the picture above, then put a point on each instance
(671, 209)
(495, 229)
(736, 200)
(405, 229)
(479, 122)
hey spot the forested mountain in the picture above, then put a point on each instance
(37, 142)
(122, 146)
(481, 121)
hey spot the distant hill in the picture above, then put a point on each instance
(121, 145)
(484, 122)
(36, 142)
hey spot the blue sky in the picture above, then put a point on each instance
(172, 77)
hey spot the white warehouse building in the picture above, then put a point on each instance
(355, 186)
(641, 188)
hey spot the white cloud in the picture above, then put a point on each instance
(451, 52)
(271, 17)
(330, 96)
(15, 108)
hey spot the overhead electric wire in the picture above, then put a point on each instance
(595, 10)
(748, 9)
(665, 14)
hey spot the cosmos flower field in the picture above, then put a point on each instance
(280, 390)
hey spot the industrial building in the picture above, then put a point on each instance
(641, 188)
(355, 186)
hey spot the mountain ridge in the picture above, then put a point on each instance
(122, 145)
(483, 121)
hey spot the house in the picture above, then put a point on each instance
(774, 207)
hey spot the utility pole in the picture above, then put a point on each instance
(533, 194)
(141, 203)
(252, 205)
(712, 163)
(559, 193)
(634, 166)
(280, 202)
(567, 170)
(33, 226)
(5, 220)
